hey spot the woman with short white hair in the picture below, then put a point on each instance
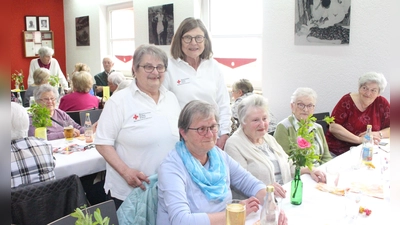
(40, 76)
(114, 79)
(31, 158)
(47, 61)
(356, 110)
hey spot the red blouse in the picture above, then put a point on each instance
(350, 117)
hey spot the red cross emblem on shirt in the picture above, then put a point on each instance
(179, 81)
(135, 117)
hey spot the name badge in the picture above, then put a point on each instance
(141, 116)
(183, 81)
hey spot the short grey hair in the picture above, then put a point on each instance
(116, 77)
(45, 51)
(196, 109)
(375, 78)
(148, 50)
(303, 92)
(252, 101)
(37, 93)
(19, 121)
(123, 84)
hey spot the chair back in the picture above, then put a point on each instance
(94, 115)
(320, 120)
(43, 202)
(75, 116)
(107, 209)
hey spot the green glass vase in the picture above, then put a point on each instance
(296, 193)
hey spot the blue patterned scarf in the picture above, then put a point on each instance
(212, 182)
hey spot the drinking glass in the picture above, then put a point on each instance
(235, 212)
(355, 158)
(332, 175)
(352, 200)
(68, 130)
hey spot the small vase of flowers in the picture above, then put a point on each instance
(18, 78)
(302, 154)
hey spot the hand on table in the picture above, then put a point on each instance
(252, 205)
(318, 176)
(135, 178)
(375, 136)
(77, 132)
(279, 191)
(282, 220)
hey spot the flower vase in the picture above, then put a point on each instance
(41, 132)
(296, 193)
(16, 85)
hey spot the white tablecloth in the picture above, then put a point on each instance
(322, 208)
(79, 163)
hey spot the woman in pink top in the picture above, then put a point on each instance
(79, 99)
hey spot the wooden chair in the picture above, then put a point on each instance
(107, 209)
(320, 117)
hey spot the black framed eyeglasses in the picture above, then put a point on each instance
(187, 39)
(150, 68)
(204, 130)
(302, 106)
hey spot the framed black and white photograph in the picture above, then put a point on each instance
(161, 24)
(322, 22)
(30, 23)
(82, 31)
(44, 23)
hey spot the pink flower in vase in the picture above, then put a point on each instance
(303, 143)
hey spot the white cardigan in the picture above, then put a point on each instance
(241, 149)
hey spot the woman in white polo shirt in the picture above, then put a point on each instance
(138, 125)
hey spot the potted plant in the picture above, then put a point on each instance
(85, 218)
(54, 80)
(40, 120)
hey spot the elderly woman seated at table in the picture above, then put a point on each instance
(258, 152)
(145, 108)
(47, 96)
(356, 110)
(80, 99)
(31, 158)
(40, 76)
(302, 103)
(114, 79)
(195, 178)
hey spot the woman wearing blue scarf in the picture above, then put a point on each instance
(195, 178)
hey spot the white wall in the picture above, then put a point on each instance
(331, 71)
(91, 55)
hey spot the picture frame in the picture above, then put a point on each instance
(43, 23)
(30, 23)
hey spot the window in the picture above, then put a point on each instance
(236, 32)
(122, 36)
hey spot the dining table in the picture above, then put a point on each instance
(80, 162)
(322, 207)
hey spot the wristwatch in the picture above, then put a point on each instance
(380, 134)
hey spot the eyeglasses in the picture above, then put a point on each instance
(302, 106)
(150, 68)
(187, 39)
(47, 99)
(204, 130)
(366, 89)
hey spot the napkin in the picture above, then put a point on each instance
(331, 189)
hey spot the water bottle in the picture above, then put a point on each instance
(88, 129)
(368, 145)
(31, 101)
(269, 213)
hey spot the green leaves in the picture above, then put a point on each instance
(40, 116)
(53, 81)
(84, 218)
(329, 119)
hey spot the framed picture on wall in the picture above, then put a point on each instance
(30, 23)
(44, 23)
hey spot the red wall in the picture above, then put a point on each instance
(54, 9)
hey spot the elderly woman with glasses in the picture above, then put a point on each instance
(46, 95)
(356, 110)
(47, 61)
(194, 74)
(195, 178)
(302, 103)
(258, 152)
(137, 127)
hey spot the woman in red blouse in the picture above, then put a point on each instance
(355, 111)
